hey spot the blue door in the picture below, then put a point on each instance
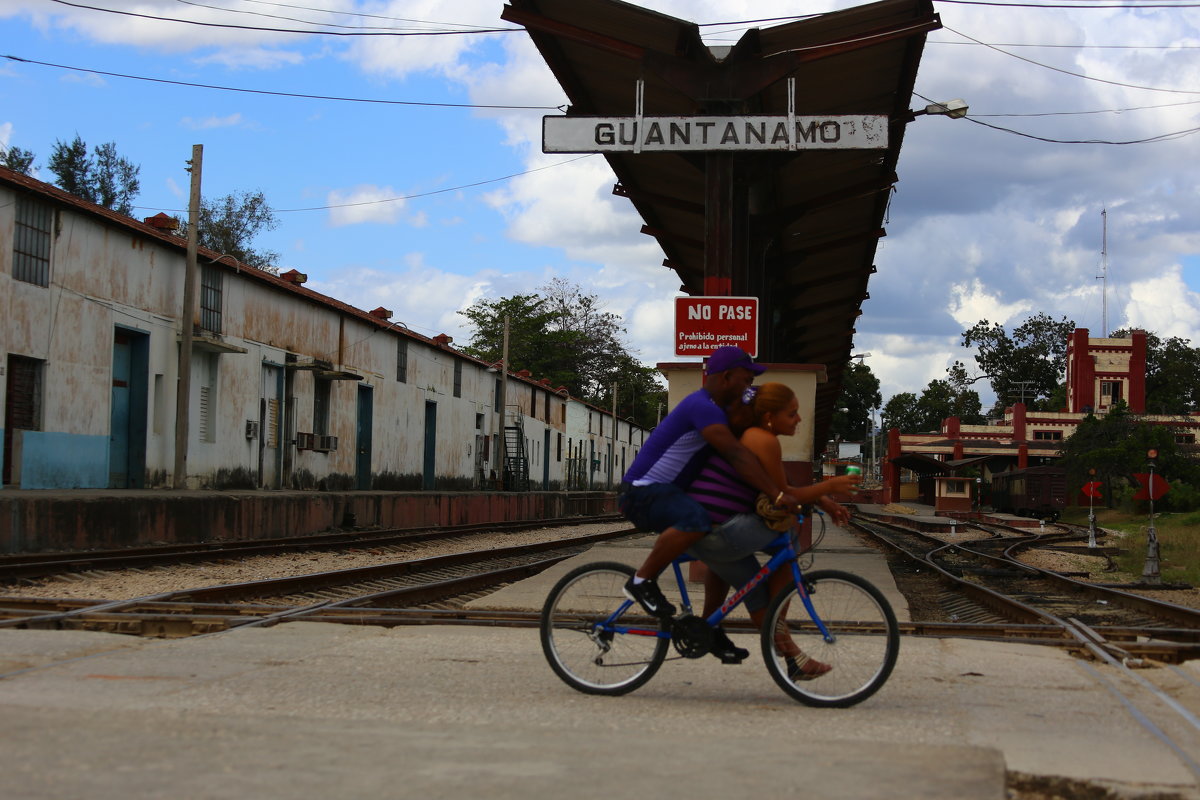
(118, 429)
(362, 474)
(427, 481)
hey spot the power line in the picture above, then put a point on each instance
(1077, 46)
(1070, 5)
(277, 94)
(407, 196)
(1160, 138)
(469, 28)
(1068, 72)
(1098, 111)
(388, 32)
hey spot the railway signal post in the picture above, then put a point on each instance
(1150, 572)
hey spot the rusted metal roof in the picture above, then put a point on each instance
(814, 217)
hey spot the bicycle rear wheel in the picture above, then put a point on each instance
(592, 656)
(861, 648)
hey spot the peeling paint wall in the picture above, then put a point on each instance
(242, 432)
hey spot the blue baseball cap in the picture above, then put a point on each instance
(731, 357)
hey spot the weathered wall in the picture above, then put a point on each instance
(49, 522)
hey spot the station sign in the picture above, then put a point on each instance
(708, 133)
(702, 324)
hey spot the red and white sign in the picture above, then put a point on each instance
(702, 324)
(1152, 486)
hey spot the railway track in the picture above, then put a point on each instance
(27, 566)
(983, 582)
(400, 582)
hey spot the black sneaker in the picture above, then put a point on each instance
(650, 598)
(724, 648)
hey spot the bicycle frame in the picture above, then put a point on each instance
(785, 552)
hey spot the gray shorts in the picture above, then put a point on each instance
(729, 552)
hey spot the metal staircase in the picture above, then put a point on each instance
(516, 462)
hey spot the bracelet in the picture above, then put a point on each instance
(778, 498)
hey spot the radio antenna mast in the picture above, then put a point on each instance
(1104, 274)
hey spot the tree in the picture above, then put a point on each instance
(229, 224)
(565, 335)
(16, 159)
(1027, 366)
(103, 177)
(532, 345)
(941, 399)
(1116, 447)
(860, 396)
(901, 412)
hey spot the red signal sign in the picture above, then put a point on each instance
(1092, 489)
(1153, 486)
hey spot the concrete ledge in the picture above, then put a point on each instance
(36, 521)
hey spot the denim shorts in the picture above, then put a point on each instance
(729, 552)
(659, 506)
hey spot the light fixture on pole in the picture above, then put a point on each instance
(954, 109)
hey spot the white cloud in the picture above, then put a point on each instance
(211, 122)
(362, 204)
(971, 302)
(1165, 305)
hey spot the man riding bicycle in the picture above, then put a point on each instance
(652, 493)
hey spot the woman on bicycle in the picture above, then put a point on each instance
(759, 417)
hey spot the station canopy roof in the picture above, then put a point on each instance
(812, 217)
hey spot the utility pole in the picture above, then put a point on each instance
(612, 453)
(502, 449)
(183, 391)
(1103, 276)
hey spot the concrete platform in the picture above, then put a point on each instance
(313, 710)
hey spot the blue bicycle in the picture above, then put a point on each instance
(600, 642)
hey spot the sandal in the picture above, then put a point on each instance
(803, 668)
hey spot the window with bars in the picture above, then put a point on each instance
(210, 298)
(322, 391)
(31, 241)
(402, 360)
(458, 379)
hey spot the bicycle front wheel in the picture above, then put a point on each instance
(588, 647)
(860, 646)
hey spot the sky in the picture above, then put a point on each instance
(1084, 114)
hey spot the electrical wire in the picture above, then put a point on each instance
(310, 22)
(404, 197)
(1068, 72)
(278, 94)
(1069, 5)
(200, 23)
(1099, 111)
(360, 14)
(1160, 138)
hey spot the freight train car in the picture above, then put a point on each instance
(1039, 492)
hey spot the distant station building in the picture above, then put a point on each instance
(1101, 372)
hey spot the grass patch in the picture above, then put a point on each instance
(1178, 541)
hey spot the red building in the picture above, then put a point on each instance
(1100, 373)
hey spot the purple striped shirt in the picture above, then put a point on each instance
(722, 493)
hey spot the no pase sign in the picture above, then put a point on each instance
(702, 324)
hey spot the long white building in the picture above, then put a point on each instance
(288, 389)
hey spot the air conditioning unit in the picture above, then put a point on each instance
(306, 441)
(251, 429)
(327, 443)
